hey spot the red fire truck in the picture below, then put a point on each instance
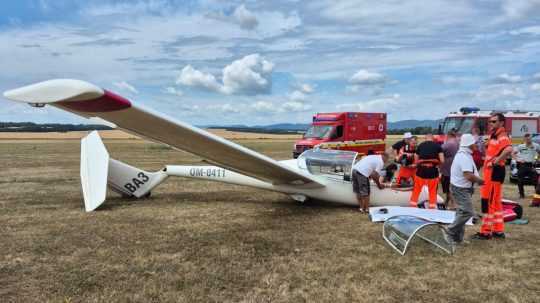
(517, 123)
(360, 132)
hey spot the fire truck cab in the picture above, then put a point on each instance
(467, 119)
(354, 131)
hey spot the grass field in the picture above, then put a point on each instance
(196, 241)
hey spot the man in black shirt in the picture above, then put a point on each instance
(396, 147)
(429, 155)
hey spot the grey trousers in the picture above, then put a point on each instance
(464, 211)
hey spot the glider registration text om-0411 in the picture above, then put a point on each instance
(207, 172)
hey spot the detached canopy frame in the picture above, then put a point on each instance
(399, 231)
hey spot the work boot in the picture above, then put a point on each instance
(499, 235)
(481, 236)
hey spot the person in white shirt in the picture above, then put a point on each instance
(368, 167)
(463, 175)
(525, 155)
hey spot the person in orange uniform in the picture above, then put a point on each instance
(429, 156)
(406, 160)
(498, 149)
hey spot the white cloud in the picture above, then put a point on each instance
(250, 75)
(173, 91)
(498, 92)
(379, 104)
(367, 82)
(293, 106)
(245, 18)
(306, 88)
(404, 14)
(537, 76)
(365, 77)
(297, 96)
(264, 107)
(450, 80)
(535, 87)
(192, 77)
(506, 78)
(138, 7)
(224, 108)
(529, 30)
(123, 85)
(516, 9)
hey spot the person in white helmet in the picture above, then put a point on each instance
(463, 175)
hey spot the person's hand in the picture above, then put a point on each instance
(480, 182)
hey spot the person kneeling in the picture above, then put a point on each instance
(368, 167)
(463, 175)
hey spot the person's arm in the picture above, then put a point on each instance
(506, 152)
(441, 158)
(377, 179)
(471, 177)
(515, 153)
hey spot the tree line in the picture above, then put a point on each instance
(48, 127)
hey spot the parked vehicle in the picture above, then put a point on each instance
(360, 132)
(517, 124)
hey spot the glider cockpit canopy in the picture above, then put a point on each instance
(330, 163)
(400, 231)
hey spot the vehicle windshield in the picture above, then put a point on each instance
(461, 125)
(319, 132)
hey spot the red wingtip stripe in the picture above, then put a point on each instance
(107, 103)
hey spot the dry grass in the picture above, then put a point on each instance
(209, 242)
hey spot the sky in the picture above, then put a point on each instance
(211, 62)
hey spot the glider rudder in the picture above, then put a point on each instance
(94, 170)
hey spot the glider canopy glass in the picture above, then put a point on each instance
(399, 231)
(329, 162)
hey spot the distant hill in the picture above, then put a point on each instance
(279, 128)
(300, 127)
(286, 126)
(409, 124)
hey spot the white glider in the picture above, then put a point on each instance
(317, 174)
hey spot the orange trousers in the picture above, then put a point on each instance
(493, 221)
(404, 173)
(432, 185)
(485, 189)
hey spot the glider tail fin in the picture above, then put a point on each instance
(99, 170)
(94, 168)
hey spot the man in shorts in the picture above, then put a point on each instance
(369, 167)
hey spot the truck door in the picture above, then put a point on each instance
(338, 133)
